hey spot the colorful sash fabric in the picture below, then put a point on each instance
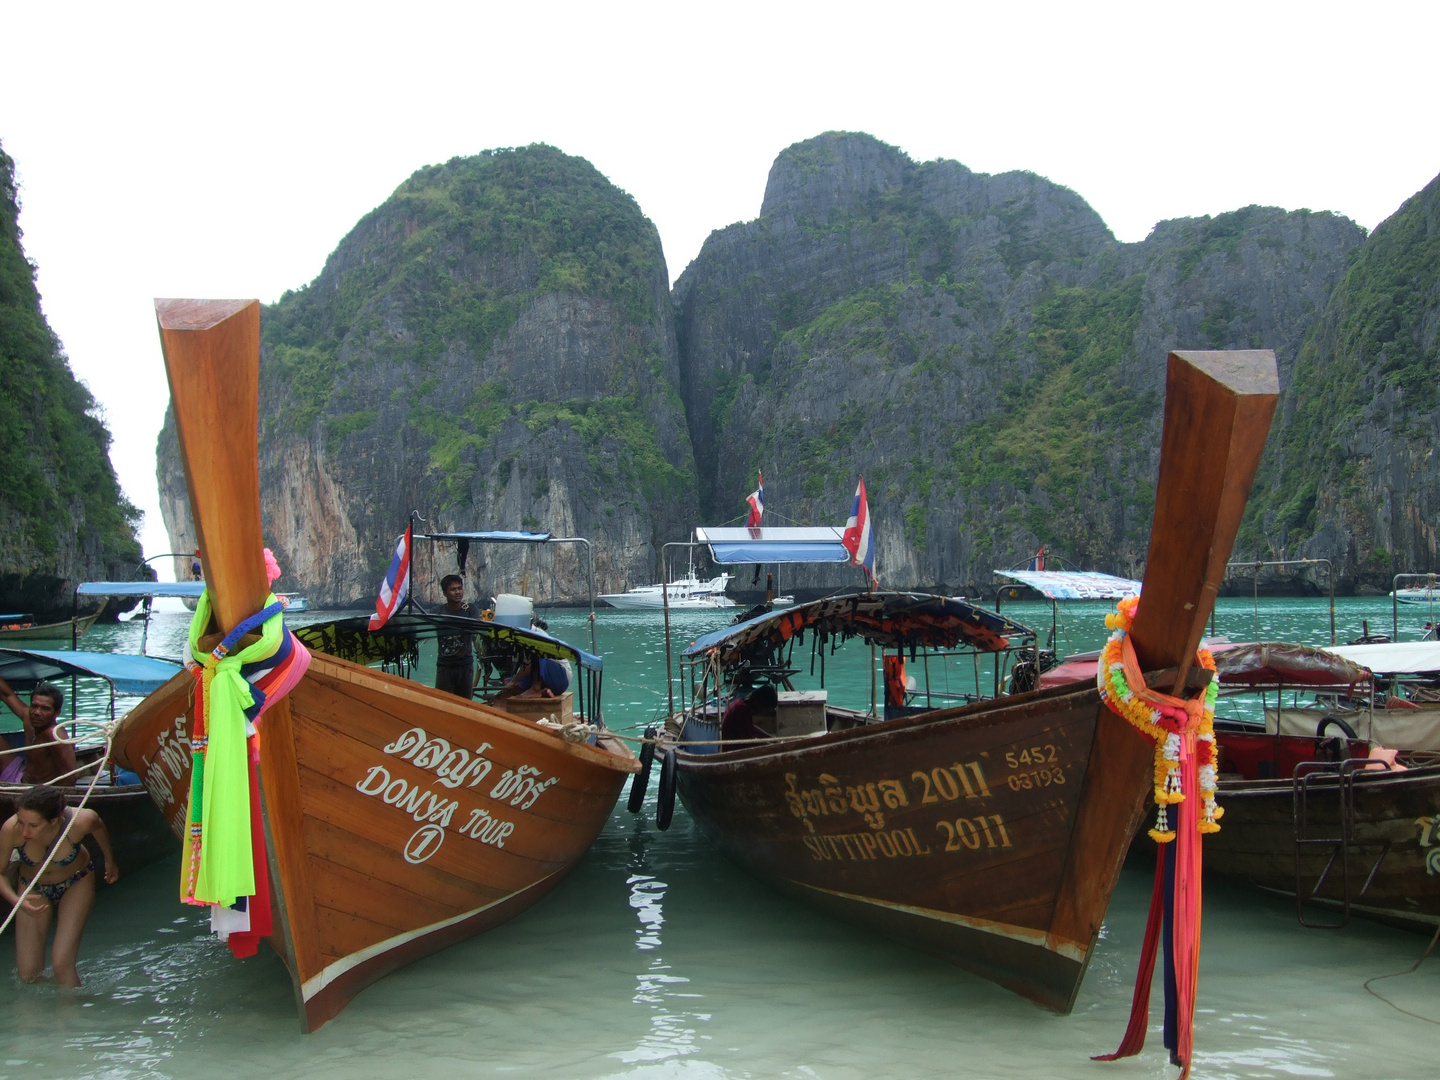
(1183, 732)
(232, 691)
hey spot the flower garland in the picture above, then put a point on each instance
(1164, 720)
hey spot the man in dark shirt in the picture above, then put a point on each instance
(455, 663)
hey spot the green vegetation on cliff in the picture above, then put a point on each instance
(454, 256)
(61, 509)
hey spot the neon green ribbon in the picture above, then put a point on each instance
(227, 870)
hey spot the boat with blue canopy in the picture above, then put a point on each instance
(139, 833)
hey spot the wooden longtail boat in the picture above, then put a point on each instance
(397, 819)
(992, 833)
(1308, 812)
(21, 628)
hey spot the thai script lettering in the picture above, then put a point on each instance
(521, 786)
(452, 765)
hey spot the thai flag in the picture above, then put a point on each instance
(857, 538)
(1038, 562)
(396, 585)
(756, 499)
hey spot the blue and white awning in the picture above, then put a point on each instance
(1074, 584)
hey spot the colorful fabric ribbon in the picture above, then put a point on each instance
(1183, 732)
(233, 689)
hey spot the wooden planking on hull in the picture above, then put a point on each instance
(356, 896)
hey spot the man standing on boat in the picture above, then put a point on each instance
(455, 664)
(42, 763)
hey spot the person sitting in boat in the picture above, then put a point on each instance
(539, 676)
(455, 661)
(42, 763)
(739, 719)
(64, 891)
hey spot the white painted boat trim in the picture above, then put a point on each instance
(316, 983)
(1071, 950)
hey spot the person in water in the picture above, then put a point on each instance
(65, 892)
(42, 763)
(455, 662)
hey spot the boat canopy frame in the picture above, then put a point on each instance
(503, 536)
(395, 647)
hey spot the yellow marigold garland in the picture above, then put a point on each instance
(1116, 692)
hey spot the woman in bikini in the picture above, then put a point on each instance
(65, 892)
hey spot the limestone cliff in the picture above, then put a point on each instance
(979, 347)
(493, 348)
(1354, 476)
(63, 518)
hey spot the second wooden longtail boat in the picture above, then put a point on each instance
(992, 833)
(397, 819)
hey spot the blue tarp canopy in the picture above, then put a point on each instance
(23, 668)
(888, 619)
(494, 537)
(789, 544)
(187, 589)
(1074, 584)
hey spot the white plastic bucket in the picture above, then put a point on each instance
(513, 609)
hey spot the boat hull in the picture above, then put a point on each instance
(378, 854)
(50, 631)
(992, 835)
(1395, 824)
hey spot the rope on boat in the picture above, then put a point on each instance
(107, 728)
(1396, 974)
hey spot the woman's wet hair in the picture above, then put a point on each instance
(42, 799)
(53, 692)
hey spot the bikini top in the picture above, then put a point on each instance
(74, 849)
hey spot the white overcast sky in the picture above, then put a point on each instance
(217, 150)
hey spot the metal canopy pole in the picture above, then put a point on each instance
(1255, 567)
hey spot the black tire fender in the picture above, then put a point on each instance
(665, 797)
(642, 778)
(1341, 724)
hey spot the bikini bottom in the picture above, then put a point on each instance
(54, 891)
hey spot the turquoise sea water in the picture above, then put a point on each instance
(658, 958)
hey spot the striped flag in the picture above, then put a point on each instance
(756, 499)
(857, 538)
(396, 585)
(1038, 562)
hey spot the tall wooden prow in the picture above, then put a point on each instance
(1218, 408)
(212, 360)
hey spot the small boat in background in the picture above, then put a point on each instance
(1428, 595)
(294, 602)
(23, 627)
(688, 592)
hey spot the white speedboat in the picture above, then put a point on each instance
(1429, 595)
(686, 592)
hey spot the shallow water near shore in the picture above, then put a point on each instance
(659, 958)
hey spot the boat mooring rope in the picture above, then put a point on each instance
(1396, 974)
(104, 727)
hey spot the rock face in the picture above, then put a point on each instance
(63, 518)
(495, 346)
(1354, 476)
(493, 349)
(979, 347)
